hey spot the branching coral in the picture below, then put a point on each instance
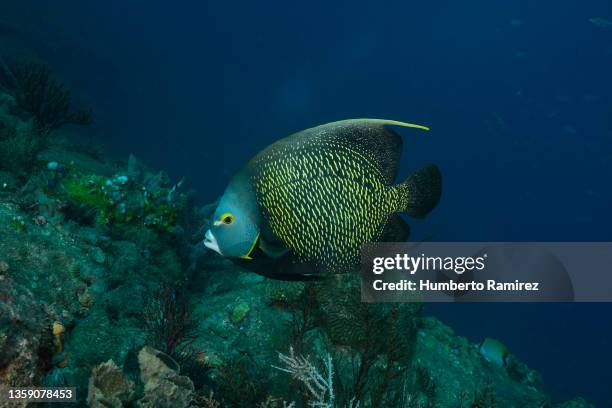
(375, 342)
(320, 386)
(47, 105)
(168, 319)
(38, 93)
(369, 331)
(206, 401)
(237, 384)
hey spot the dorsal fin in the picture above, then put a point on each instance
(381, 144)
(389, 122)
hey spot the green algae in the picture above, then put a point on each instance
(127, 204)
(240, 312)
(88, 193)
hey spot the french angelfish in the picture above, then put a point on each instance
(305, 205)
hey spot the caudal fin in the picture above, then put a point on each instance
(420, 192)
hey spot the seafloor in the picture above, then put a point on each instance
(105, 286)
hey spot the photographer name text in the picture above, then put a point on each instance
(452, 286)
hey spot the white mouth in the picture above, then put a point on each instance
(210, 242)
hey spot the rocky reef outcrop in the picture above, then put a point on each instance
(105, 286)
(108, 387)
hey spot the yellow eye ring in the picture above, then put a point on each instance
(227, 219)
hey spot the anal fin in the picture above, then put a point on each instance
(396, 230)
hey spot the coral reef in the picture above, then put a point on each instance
(118, 200)
(163, 386)
(108, 387)
(105, 286)
(20, 143)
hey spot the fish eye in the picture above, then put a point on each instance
(227, 219)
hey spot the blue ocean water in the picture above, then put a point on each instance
(518, 96)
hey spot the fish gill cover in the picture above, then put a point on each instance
(107, 286)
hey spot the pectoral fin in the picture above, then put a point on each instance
(273, 250)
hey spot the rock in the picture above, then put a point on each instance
(575, 403)
(277, 291)
(121, 179)
(240, 312)
(8, 182)
(97, 255)
(89, 235)
(53, 165)
(21, 323)
(96, 338)
(133, 203)
(163, 386)
(108, 387)
(455, 367)
(155, 181)
(134, 168)
(85, 298)
(126, 257)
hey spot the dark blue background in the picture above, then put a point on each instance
(517, 95)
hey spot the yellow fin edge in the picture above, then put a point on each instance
(248, 254)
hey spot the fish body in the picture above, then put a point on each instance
(601, 22)
(314, 198)
(494, 351)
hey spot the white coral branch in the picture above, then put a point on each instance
(304, 371)
(319, 386)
